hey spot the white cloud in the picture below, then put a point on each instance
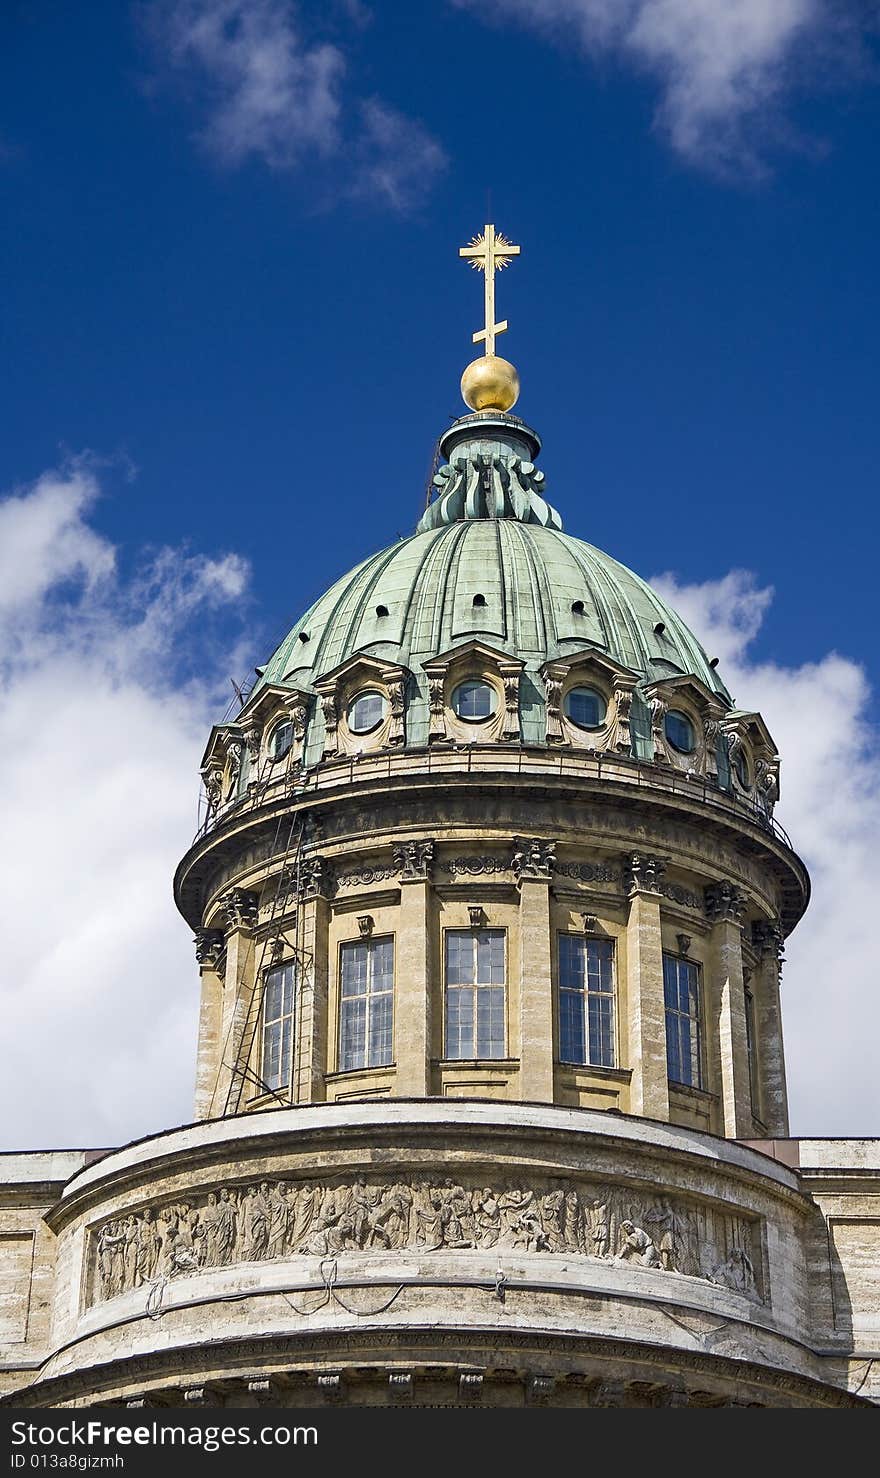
(107, 691)
(271, 95)
(724, 67)
(819, 715)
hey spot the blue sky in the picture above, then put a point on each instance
(231, 295)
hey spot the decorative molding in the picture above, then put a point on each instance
(476, 866)
(642, 872)
(210, 944)
(414, 860)
(588, 872)
(255, 1223)
(239, 908)
(533, 857)
(725, 903)
(364, 877)
(677, 894)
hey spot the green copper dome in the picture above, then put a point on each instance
(490, 562)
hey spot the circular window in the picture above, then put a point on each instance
(366, 712)
(474, 701)
(742, 771)
(680, 731)
(585, 707)
(281, 740)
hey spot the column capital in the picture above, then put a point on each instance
(767, 937)
(642, 872)
(725, 902)
(239, 908)
(209, 944)
(315, 878)
(534, 858)
(414, 860)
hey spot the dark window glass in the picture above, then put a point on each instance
(681, 989)
(474, 700)
(366, 1004)
(475, 983)
(680, 731)
(278, 1006)
(585, 707)
(282, 738)
(366, 712)
(586, 1000)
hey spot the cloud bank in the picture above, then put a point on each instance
(107, 690)
(266, 92)
(819, 713)
(725, 69)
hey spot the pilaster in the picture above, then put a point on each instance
(238, 909)
(767, 939)
(725, 1008)
(646, 1006)
(209, 951)
(533, 863)
(412, 969)
(311, 1007)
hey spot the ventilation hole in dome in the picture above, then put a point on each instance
(660, 628)
(713, 661)
(304, 636)
(381, 610)
(577, 608)
(479, 600)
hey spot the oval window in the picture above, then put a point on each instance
(680, 731)
(281, 740)
(474, 701)
(585, 707)
(366, 712)
(742, 771)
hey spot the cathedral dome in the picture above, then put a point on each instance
(490, 564)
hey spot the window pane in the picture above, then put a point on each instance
(380, 1030)
(354, 969)
(682, 997)
(459, 1022)
(572, 1042)
(586, 1000)
(490, 1022)
(353, 1033)
(490, 956)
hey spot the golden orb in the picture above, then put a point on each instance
(490, 384)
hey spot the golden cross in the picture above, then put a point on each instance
(487, 253)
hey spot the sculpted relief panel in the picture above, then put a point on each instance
(283, 1218)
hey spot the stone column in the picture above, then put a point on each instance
(412, 970)
(649, 1085)
(725, 1009)
(239, 910)
(767, 939)
(311, 1001)
(209, 949)
(533, 863)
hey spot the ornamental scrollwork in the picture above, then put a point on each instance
(281, 1218)
(589, 872)
(474, 867)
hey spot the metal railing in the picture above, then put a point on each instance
(493, 759)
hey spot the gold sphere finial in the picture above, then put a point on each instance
(490, 384)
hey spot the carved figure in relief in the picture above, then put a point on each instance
(227, 1218)
(487, 1216)
(265, 1221)
(638, 1246)
(147, 1251)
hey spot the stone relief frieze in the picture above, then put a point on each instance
(589, 872)
(677, 894)
(476, 866)
(281, 1218)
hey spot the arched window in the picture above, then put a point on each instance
(366, 1004)
(278, 1011)
(586, 1000)
(681, 990)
